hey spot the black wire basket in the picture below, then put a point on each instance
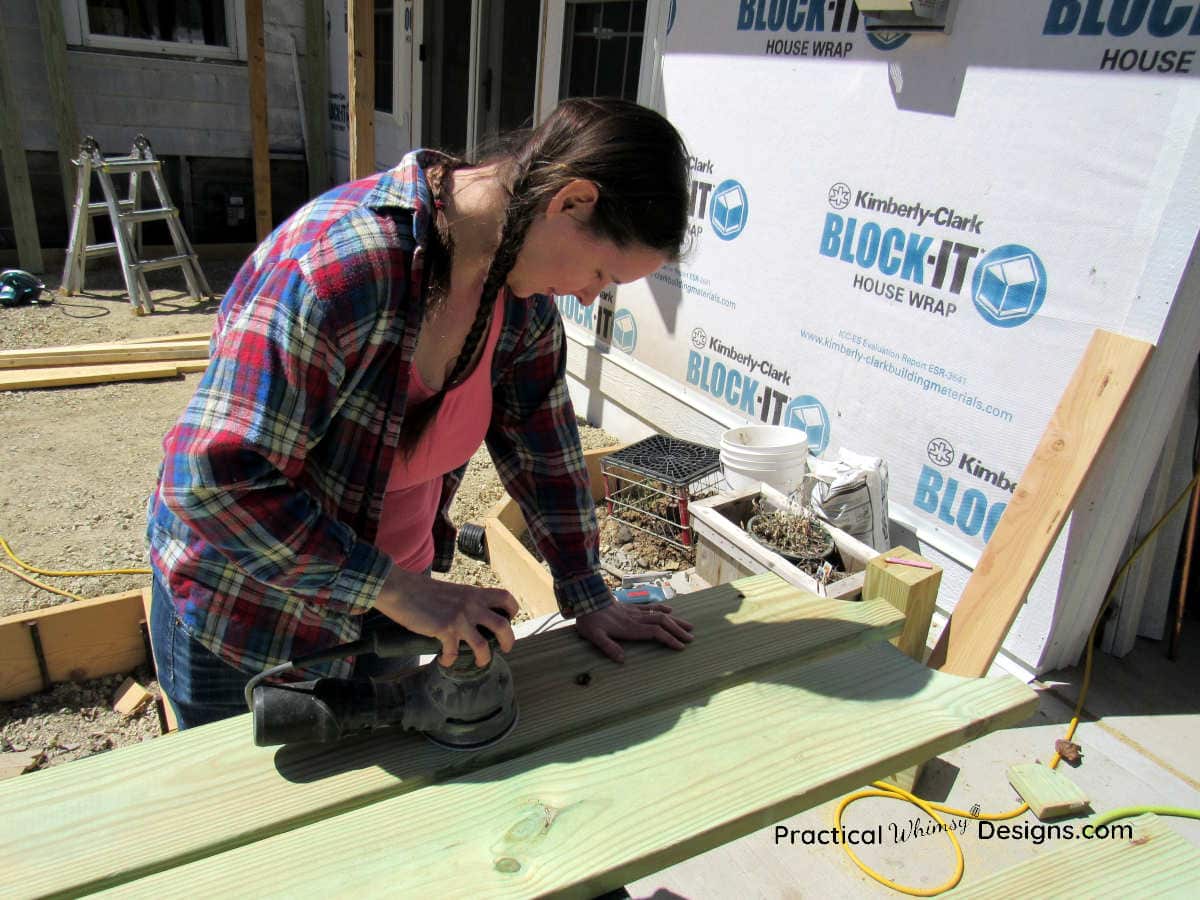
(648, 485)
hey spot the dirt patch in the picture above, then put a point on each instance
(77, 466)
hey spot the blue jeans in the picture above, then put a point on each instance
(200, 686)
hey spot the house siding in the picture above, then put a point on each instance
(186, 107)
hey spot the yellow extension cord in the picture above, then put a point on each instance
(883, 789)
(54, 574)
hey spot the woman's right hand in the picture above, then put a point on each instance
(449, 612)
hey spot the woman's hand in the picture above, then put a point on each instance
(449, 612)
(633, 622)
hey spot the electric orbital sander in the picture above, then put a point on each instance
(459, 707)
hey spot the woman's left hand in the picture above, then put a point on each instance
(633, 622)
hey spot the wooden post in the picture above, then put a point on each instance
(1048, 487)
(260, 152)
(316, 95)
(912, 590)
(16, 171)
(54, 49)
(361, 53)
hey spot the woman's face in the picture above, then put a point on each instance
(561, 256)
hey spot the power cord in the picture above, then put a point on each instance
(50, 573)
(883, 789)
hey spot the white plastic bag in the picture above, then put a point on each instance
(851, 494)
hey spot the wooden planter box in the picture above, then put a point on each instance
(725, 551)
(518, 570)
(72, 642)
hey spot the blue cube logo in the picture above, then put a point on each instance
(624, 333)
(808, 414)
(886, 40)
(729, 209)
(1009, 286)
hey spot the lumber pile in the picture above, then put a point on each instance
(132, 360)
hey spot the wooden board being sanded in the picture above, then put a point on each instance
(783, 701)
(1048, 487)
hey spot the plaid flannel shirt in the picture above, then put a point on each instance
(271, 489)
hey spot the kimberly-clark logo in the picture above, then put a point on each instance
(839, 195)
(807, 414)
(699, 338)
(941, 451)
(624, 330)
(1009, 286)
(729, 209)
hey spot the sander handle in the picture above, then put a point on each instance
(394, 640)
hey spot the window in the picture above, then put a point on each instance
(204, 28)
(384, 66)
(602, 49)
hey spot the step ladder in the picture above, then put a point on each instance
(127, 217)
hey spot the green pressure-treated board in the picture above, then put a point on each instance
(618, 803)
(1048, 792)
(1155, 862)
(140, 809)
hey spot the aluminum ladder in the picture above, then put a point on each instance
(127, 217)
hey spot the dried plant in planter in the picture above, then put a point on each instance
(799, 537)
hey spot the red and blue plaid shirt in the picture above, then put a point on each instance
(271, 489)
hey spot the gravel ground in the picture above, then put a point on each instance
(78, 465)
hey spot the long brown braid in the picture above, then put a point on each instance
(518, 216)
(633, 155)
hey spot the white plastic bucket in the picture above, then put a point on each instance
(775, 454)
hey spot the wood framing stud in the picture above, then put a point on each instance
(316, 95)
(16, 169)
(360, 35)
(259, 132)
(54, 50)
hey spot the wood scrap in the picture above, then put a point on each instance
(131, 698)
(18, 762)
(142, 359)
(61, 376)
(1049, 793)
(190, 336)
(113, 353)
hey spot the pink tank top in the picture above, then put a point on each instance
(414, 485)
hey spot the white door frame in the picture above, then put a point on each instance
(549, 66)
(550, 62)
